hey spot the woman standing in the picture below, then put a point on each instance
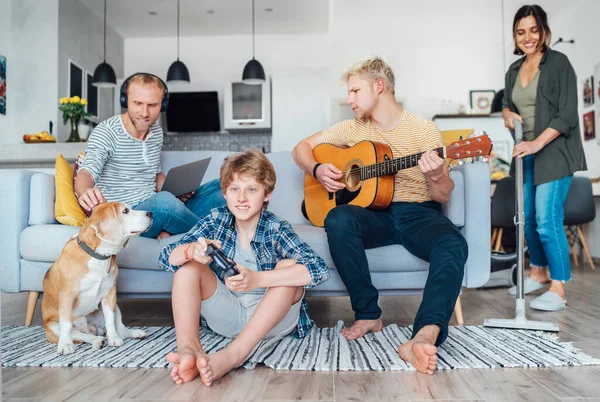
(541, 92)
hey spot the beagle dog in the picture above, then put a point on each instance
(85, 276)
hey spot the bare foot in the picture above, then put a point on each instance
(216, 365)
(185, 364)
(361, 327)
(163, 234)
(420, 353)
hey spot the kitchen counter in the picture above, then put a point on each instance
(42, 155)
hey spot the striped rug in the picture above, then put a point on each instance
(323, 350)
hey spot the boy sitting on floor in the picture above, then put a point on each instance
(265, 300)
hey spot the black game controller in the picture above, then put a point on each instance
(222, 262)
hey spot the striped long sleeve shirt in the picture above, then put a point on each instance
(124, 168)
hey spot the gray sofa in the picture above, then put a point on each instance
(32, 239)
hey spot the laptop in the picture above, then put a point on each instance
(185, 178)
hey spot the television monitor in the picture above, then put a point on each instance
(193, 112)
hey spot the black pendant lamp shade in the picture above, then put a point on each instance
(104, 75)
(254, 72)
(178, 72)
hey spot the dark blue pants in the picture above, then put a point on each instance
(424, 231)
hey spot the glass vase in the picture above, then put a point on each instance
(74, 136)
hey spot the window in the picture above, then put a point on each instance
(75, 80)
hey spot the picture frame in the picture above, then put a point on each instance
(481, 100)
(597, 104)
(589, 129)
(588, 91)
(2, 84)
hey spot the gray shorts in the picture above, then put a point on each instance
(227, 314)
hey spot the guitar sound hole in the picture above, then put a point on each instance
(352, 177)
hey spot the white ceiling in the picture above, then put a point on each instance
(131, 18)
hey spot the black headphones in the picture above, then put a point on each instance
(123, 94)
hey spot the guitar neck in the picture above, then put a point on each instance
(393, 166)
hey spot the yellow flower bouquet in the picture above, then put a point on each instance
(73, 109)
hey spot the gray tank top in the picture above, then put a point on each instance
(524, 100)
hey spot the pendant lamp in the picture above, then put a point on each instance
(104, 75)
(178, 72)
(254, 73)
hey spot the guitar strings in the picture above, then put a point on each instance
(380, 166)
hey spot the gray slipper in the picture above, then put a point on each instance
(549, 301)
(529, 285)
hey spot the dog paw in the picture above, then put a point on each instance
(98, 342)
(138, 334)
(115, 341)
(65, 348)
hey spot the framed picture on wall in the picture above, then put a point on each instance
(481, 100)
(597, 107)
(589, 132)
(75, 80)
(2, 84)
(91, 94)
(588, 91)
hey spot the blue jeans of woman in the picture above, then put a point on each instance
(424, 231)
(170, 214)
(544, 227)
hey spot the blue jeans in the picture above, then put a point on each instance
(544, 223)
(173, 216)
(424, 231)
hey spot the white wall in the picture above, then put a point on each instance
(212, 61)
(438, 49)
(80, 35)
(31, 67)
(6, 50)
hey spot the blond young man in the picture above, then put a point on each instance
(265, 300)
(122, 163)
(414, 219)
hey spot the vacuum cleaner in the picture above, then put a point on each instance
(520, 321)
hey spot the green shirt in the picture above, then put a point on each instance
(524, 99)
(555, 107)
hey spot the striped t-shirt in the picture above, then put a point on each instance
(412, 135)
(124, 168)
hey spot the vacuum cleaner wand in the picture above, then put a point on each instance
(520, 321)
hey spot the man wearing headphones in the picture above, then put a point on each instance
(122, 163)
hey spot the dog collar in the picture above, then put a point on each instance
(91, 252)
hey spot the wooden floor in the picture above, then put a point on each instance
(579, 323)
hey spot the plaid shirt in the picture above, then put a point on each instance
(274, 240)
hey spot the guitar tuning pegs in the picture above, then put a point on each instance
(461, 162)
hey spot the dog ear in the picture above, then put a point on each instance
(106, 224)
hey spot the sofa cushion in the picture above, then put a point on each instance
(381, 259)
(41, 205)
(454, 209)
(289, 189)
(44, 243)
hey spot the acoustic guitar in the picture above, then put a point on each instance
(368, 171)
